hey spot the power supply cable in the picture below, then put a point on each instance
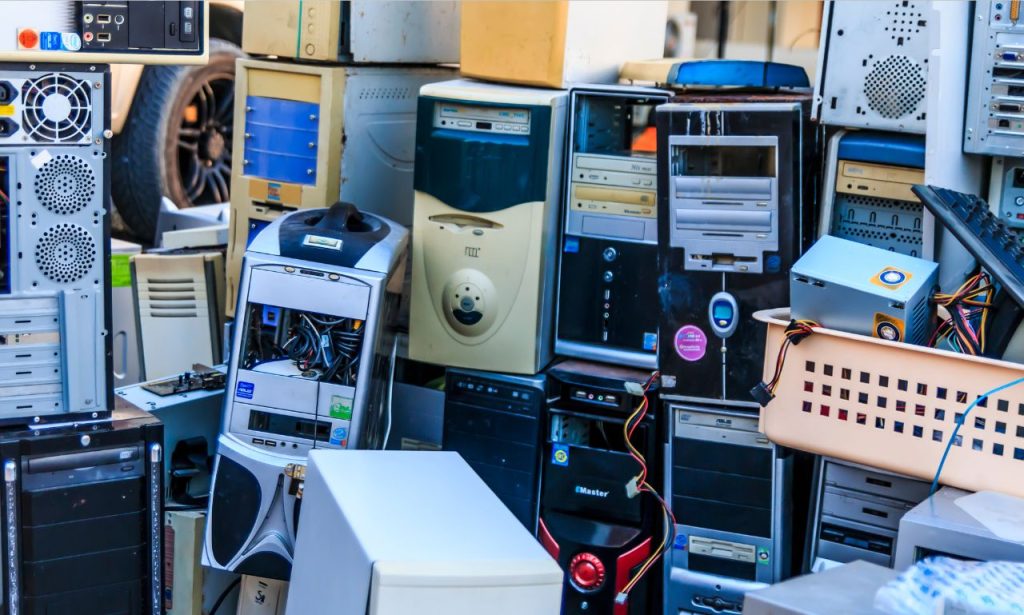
(966, 306)
(795, 332)
(638, 484)
(963, 419)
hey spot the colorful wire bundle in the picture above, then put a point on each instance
(795, 333)
(669, 530)
(968, 309)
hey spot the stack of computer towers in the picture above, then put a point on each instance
(535, 236)
(326, 109)
(83, 485)
(736, 192)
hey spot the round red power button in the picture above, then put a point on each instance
(586, 571)
(28, 38)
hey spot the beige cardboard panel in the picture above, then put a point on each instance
(292, 29)
(522, 42)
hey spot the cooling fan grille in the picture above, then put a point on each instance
(65, 253)
(895, 86)
(65, 185)
(56, 108)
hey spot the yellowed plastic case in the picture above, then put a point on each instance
(894, 406)
(304, 82)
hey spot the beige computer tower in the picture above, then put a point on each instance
(179, 303)
(558, 43)
(308, 135)
(484, 250)
(360, 31)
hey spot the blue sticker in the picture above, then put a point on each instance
(560, 454)
(680, 542)
(572, 245)
(773, 263)
(59, 41)
(339, 436)
(245, 390)
(650, 341)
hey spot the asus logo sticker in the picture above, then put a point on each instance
(472, 252)
(597, 493)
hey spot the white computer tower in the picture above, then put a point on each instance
(312, 347)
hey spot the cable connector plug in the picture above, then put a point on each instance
(635, 388)
(761, 394)
(632, 488)
(621, 598)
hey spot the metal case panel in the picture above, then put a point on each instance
(873, 65)
(994, 121)
(56, 174)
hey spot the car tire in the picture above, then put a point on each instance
(174, 139)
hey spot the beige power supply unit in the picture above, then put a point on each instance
(179, 303)
(308, 135)
(361, 31)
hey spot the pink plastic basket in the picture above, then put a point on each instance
(894, 406)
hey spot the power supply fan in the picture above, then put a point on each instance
(65, 184)
(65, 253)
(56, 108)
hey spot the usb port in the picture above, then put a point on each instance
(103, 19)
(103, 37)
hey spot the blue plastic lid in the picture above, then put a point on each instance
(883, 148)
(738, 74)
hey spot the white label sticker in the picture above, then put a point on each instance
(319, 241)
(41, 158)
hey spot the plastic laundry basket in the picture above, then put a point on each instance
(893, 406)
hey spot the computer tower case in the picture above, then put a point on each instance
(730, 491)
(495, 421)
(55, 324)
(488, 186)
(311, 350)
(736, 188)
(856, 512)
(608, 271)
(83, 518)
(588, 522)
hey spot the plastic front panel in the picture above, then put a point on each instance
(698, 363)
(281, 139)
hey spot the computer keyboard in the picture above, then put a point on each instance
(997, 248)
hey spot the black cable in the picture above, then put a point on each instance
(224, 595)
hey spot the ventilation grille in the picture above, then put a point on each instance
(393, 93)
(65, 185)
(170, 297)
(883, 223)
(921, 318)
(905, 21)
(65, 253)
(56, 109)
(895, 87)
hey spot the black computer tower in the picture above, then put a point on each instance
(82, 515)
(495, 422)
(736, 188)
(599, 534)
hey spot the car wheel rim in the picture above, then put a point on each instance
(203, 138)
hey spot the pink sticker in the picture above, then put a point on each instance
(691, 343)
